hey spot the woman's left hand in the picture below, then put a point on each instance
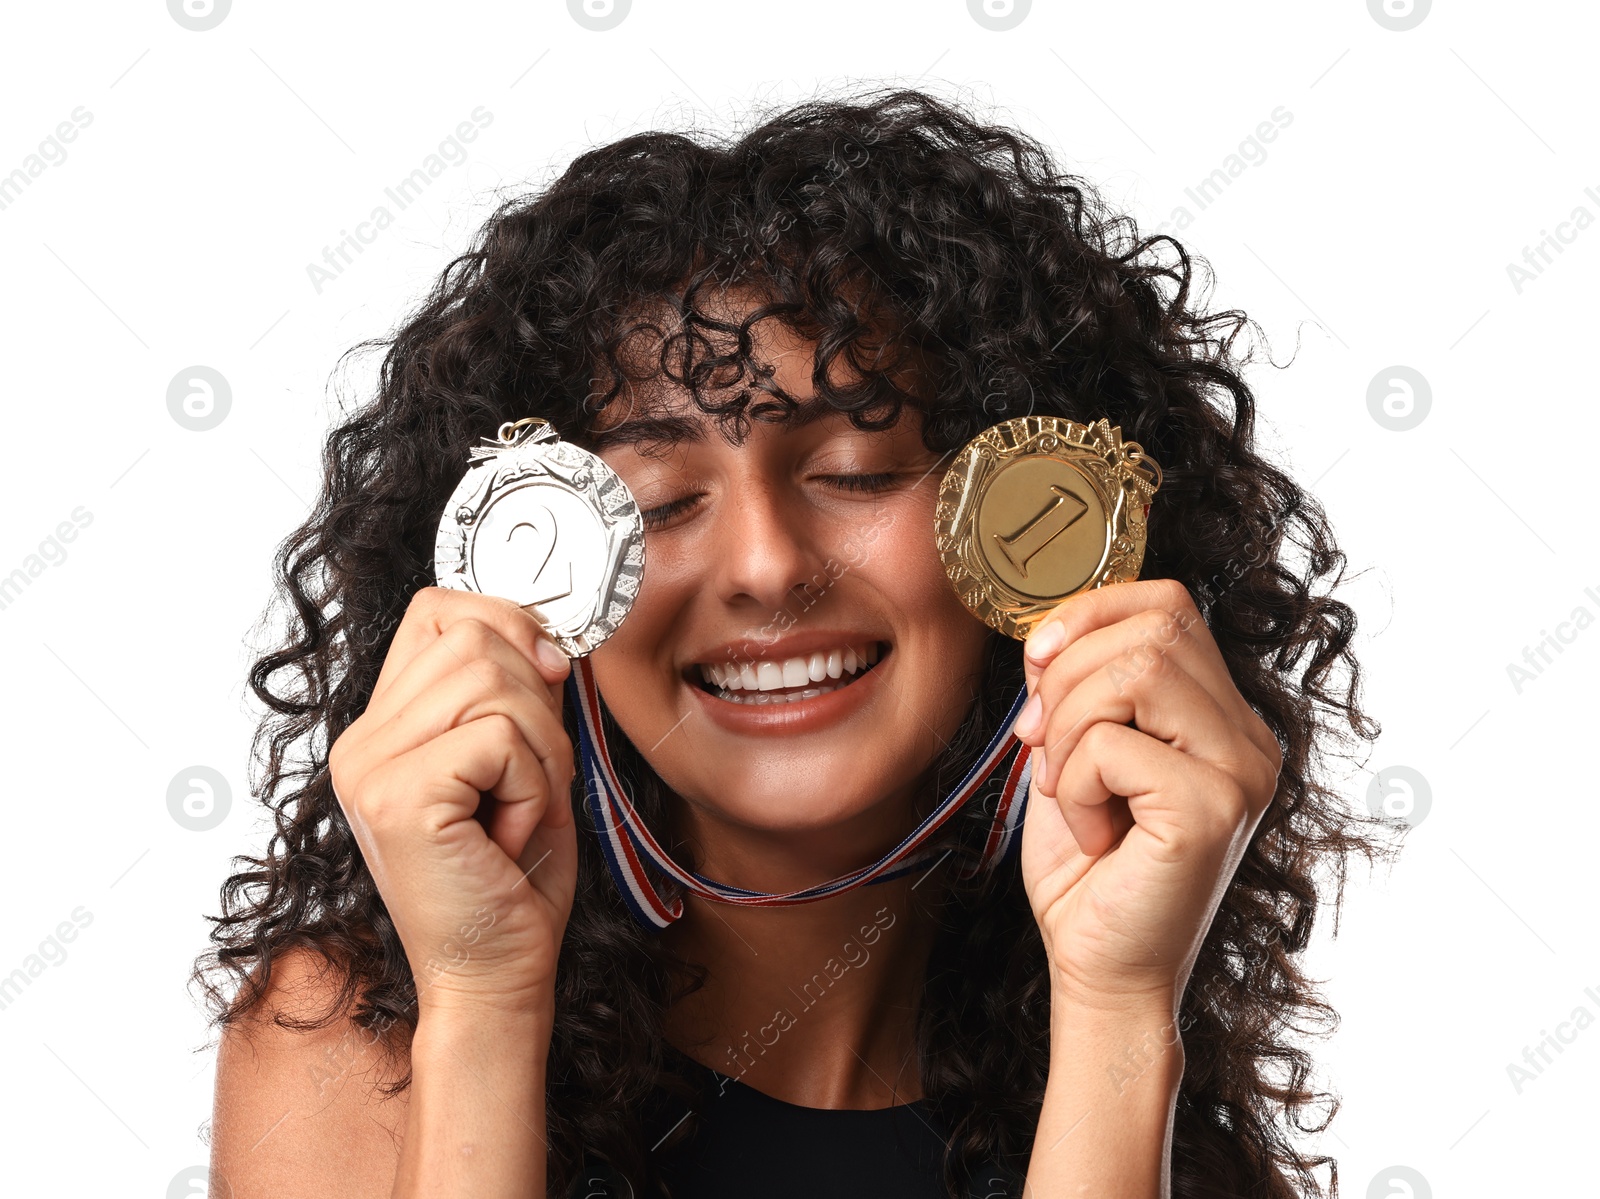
(1132, 834)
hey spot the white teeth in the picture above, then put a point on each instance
(772, 697)
(760, 678)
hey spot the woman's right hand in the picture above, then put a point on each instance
(469, 700)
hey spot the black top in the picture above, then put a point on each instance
(748, 1145)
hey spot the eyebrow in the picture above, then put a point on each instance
(671, 430)
(658, 430)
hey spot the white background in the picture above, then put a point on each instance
(1377, 232)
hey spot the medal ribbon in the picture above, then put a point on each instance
(625, 840)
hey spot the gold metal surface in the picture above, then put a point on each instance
(1036, 509)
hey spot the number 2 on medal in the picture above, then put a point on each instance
(1055, 518)
(565, 589)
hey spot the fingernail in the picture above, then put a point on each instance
(1046, 640)
(550, 655)
(1029, 717)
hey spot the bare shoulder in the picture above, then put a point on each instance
(300, 1111)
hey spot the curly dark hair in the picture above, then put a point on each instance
(1014, 291)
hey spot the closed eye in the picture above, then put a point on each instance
(874, 482)
(662, 513)
(654, 518)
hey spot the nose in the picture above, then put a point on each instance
(765, 549)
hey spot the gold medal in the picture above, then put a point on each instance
(1036, 509)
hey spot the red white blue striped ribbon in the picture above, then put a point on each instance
(626, 841)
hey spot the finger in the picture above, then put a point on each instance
(434, 609)
(488, 754)
(1128, 646)
(548, 862)
(1164, 702)
(1080, 614)
(1096, 827)
(1181, 801)
(1088, 826)
(478, 648)
(486, 690)
(1134, 641)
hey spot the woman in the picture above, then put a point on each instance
(430, 984)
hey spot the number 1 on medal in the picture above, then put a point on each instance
(1055, 518)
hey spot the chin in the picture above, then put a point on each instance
(834, 792)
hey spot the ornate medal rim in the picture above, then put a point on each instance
(535, 449)
(1115, 468)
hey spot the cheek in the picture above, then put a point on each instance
(911, 558)
(904, 566)
(631, 668)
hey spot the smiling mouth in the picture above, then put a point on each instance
(788, 680)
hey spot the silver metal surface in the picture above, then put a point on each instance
(549, 526)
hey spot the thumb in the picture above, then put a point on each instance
(1045, 640)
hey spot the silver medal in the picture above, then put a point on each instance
(549, 526)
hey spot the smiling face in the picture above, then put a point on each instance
(796, 658)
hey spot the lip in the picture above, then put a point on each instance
(796, 716)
